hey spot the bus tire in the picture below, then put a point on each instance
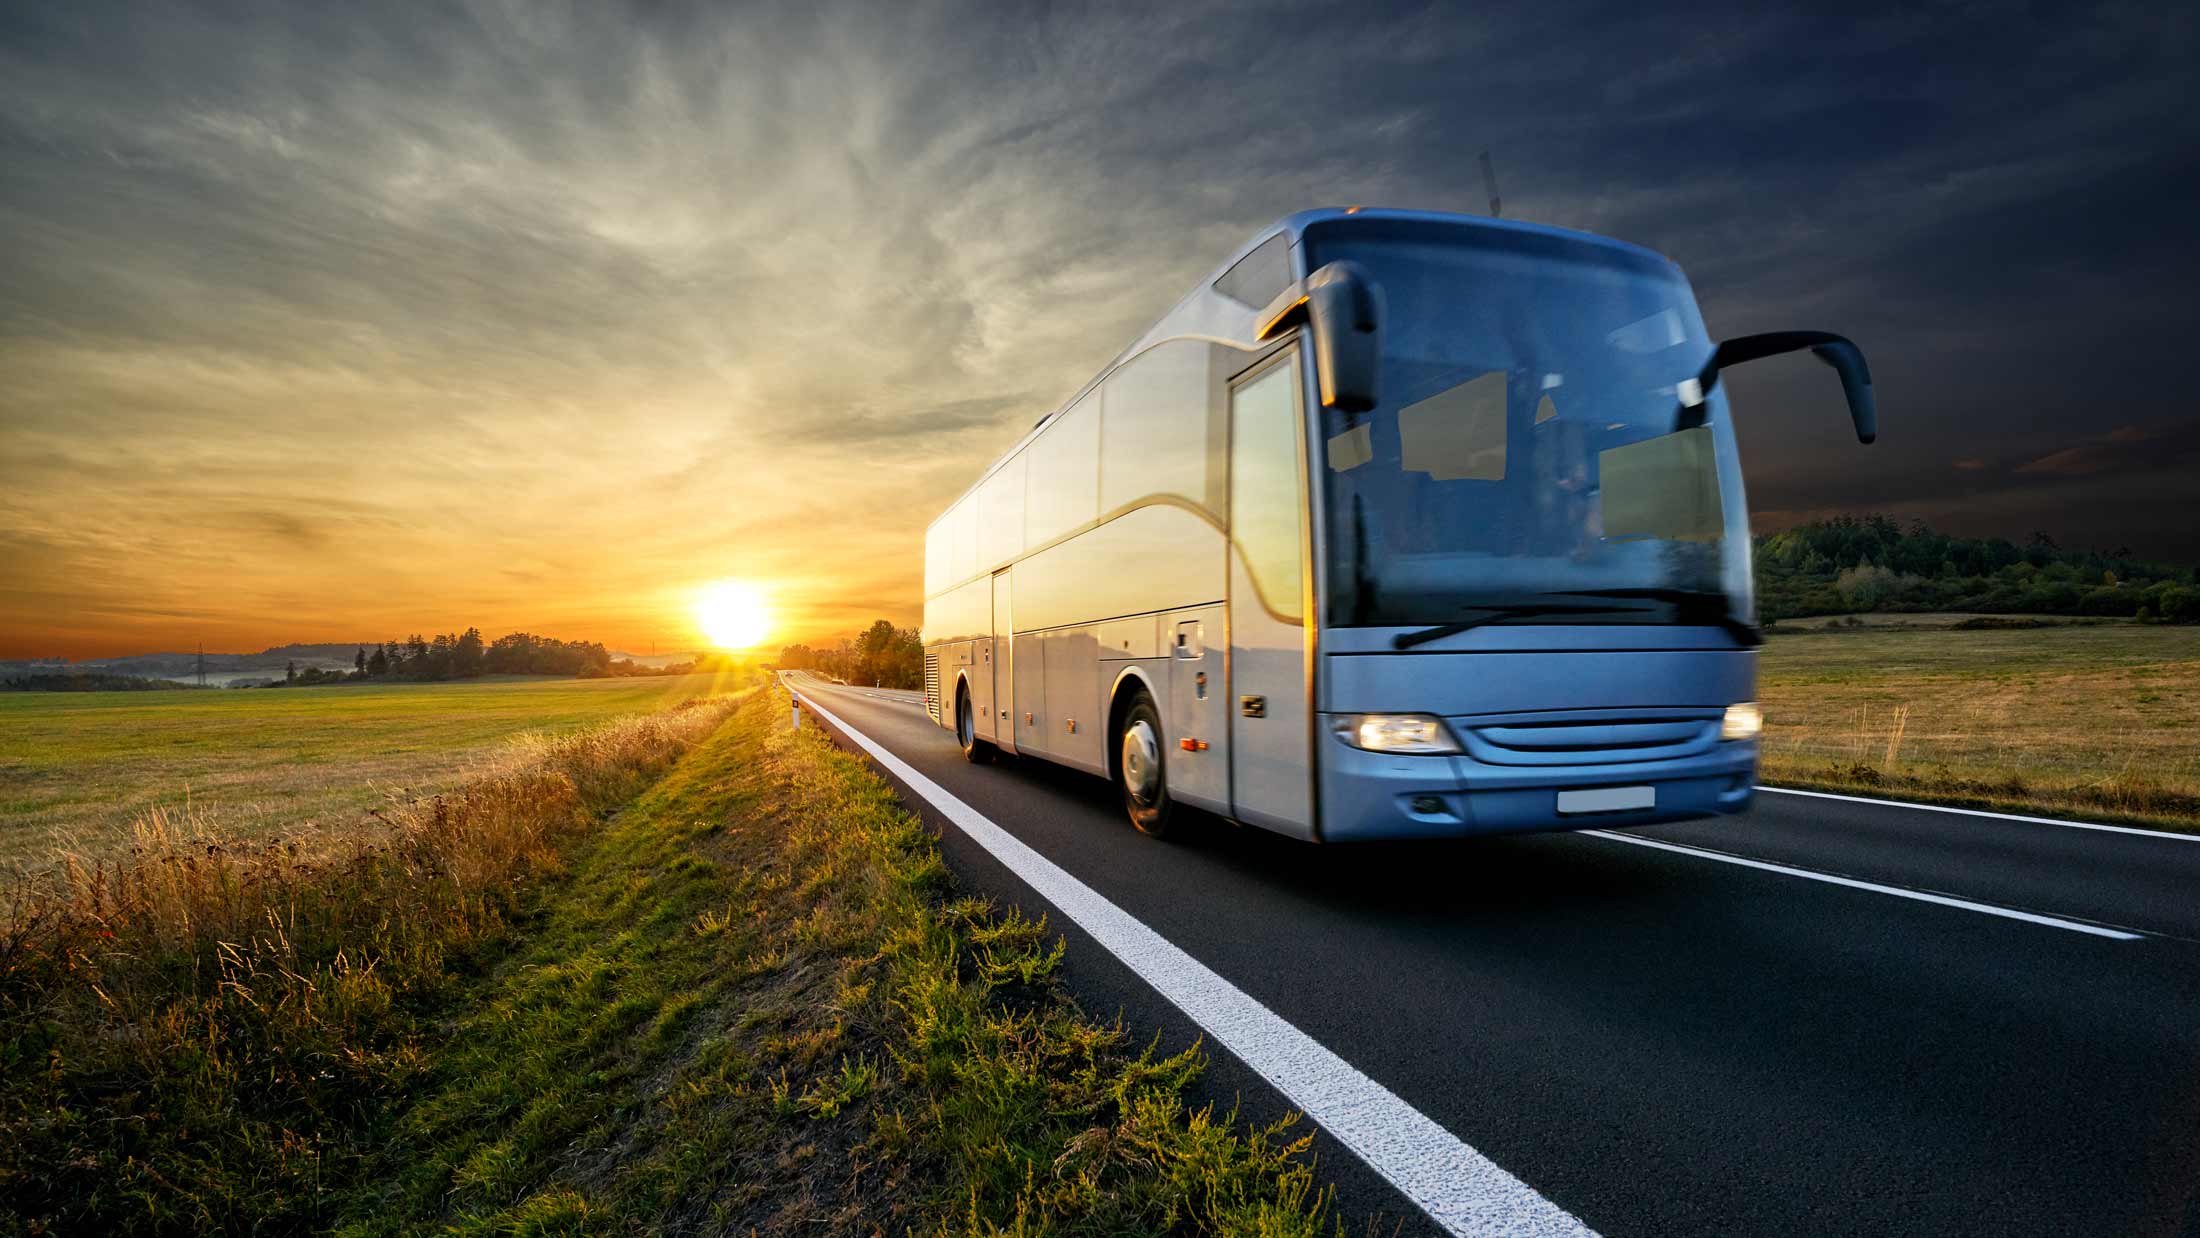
(1141, 771)
(975, 750)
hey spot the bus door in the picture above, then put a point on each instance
(1270, 715)
(1004, 666)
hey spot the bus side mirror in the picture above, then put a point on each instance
(1837, 351)
(1339, 303)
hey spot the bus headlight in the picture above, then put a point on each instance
(1395, 733)
(1743, 721)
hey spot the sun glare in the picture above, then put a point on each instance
(733, 615)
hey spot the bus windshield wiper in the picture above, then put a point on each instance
(1407, 640)
(1695, 607)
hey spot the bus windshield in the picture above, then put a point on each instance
(1527, 455)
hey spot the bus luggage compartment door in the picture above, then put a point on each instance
(1198, 724)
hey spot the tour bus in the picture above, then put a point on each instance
(1402, 524)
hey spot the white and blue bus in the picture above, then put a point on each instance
(1400, 525)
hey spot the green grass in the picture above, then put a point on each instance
(2100, 721)
(758, 1005)
(76, 769)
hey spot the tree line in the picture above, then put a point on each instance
(1873, 563)
(465, 655)
(883, 655)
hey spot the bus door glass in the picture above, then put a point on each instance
(1004, 665)
(1269, 749)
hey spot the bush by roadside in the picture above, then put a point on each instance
(207, 1035)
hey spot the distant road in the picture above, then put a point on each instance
(1824, 1016)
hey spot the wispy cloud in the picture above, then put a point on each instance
(361, 321)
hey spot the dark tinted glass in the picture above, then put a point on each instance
(1259, 277)
(1526, 448)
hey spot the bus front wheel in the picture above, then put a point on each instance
(1139, 769)
(975, 750)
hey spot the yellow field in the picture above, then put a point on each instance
(2099, 720)
(77, 768)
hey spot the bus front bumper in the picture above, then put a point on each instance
(1376, 795)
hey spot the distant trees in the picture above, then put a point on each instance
(883, 654)
(523, 653)
(465, 655)
(1872, 563)
(86, 681)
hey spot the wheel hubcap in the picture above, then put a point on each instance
(1141, 762)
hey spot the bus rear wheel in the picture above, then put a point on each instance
(975, 750)
(1140, 771)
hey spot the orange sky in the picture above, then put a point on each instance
(528, 346)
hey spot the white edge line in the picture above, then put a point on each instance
(1462, 1190)
(2165, 835)
(1854, 884)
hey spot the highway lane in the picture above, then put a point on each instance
(1663, 1043)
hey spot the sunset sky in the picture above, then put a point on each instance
(349, 323)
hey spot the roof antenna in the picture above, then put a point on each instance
(1489, 182)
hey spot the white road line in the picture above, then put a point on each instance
(2165, 835)
(1944, 900)
(1461, 1189)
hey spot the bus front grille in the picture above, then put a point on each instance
(1591, 743)
(932, 685)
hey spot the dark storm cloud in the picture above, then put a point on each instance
(756, 288)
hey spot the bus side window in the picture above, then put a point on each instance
(1153, 427)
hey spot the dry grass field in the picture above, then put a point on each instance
(2102, 721)
(688, 970)
(77, 769)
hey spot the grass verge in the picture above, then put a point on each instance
(758, 1005)
(2088, 721)
(209, 1035)
(2127, 798)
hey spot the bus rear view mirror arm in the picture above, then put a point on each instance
(1340, 304)
(1836, 351)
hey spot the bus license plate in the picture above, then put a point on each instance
(1607, 799)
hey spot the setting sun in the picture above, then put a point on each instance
(733, 615)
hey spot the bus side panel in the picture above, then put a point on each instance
(1196, 709)
(1076, 718)
(1149, 559)
(1030, 705)
(951, 622)
(1122, 574)
(980, 686)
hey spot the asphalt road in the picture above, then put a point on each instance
(1668, 1042)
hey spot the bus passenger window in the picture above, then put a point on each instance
(1260, 276)
(1153, 427)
